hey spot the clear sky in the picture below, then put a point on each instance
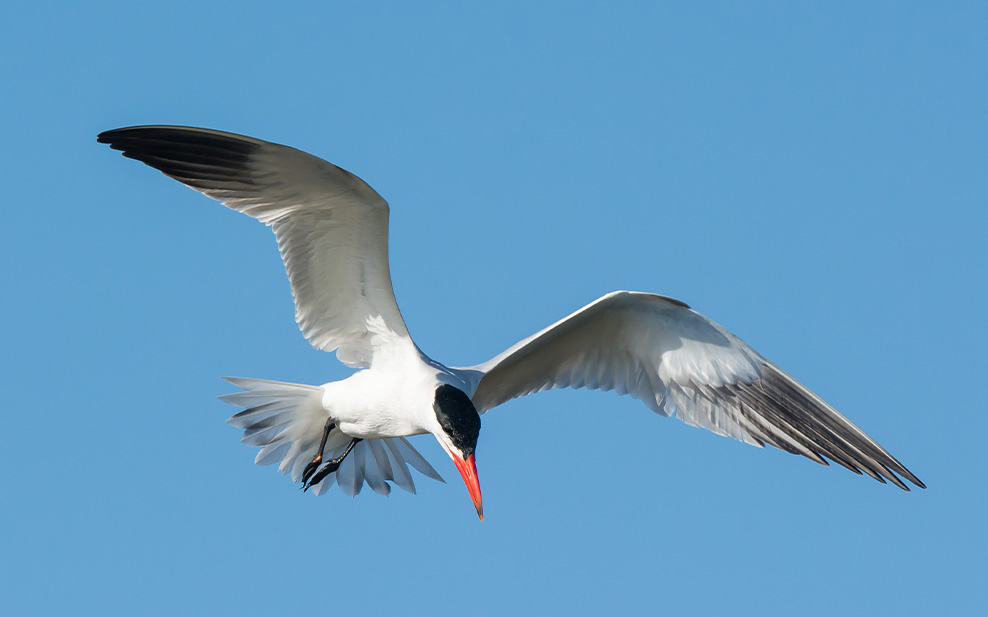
(810, 175)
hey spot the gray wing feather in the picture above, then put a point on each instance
(679, 363)
(331, 227)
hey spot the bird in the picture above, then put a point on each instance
(332, 232)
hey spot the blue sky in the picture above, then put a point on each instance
(810, 175)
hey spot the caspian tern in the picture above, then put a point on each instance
(332, 231)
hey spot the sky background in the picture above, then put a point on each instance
(810, 175)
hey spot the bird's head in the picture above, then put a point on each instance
(459, 425)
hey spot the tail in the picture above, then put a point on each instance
(287, 420)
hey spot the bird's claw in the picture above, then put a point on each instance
(325, 471)
(311, 477)
(310, 469)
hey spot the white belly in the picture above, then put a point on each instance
(372, 404)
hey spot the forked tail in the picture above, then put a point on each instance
(286, 421)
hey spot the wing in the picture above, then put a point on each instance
(680, 363)
(332, 228)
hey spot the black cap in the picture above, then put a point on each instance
(458, 417)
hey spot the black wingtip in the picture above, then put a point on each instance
(113, 136)
(200, 158)
(172, 137)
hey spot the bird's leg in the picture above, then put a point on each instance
(317, 459)
(331, 465)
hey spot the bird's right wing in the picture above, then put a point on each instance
(332, 228)
(679, 363)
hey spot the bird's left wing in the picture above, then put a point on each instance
(680, 363)
(332, 228)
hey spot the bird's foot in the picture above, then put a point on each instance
(331, 465)
(310, 469)
(317, 459)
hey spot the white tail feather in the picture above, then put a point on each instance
(286, 420)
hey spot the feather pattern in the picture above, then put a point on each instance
(679, 363)
(331, 227)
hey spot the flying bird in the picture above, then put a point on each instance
(332, 231)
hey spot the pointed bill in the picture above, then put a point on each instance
(468, 469)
